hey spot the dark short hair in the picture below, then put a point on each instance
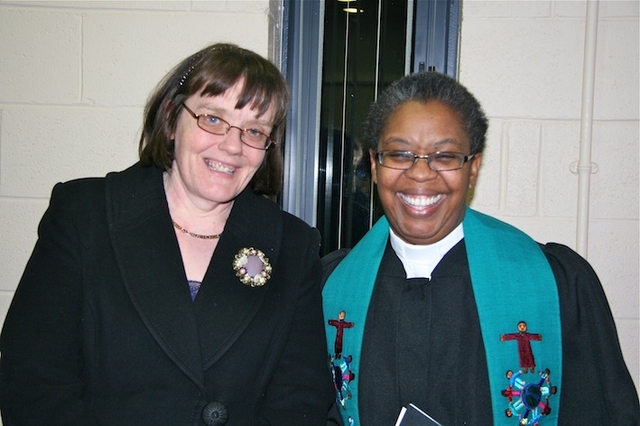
(210, 72)
(424, 87)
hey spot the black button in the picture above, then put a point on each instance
(215, 414)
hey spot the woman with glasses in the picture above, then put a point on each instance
(175, 292)
(450, 315)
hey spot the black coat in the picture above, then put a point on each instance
(102, 329)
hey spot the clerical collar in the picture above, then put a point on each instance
(419, 261)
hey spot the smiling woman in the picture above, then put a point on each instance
(424, 205)
(171, 293)
(434, 291)
(210, 170)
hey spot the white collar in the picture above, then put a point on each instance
(419, 261)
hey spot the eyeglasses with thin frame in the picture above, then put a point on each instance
(253, 138)
(440, 161)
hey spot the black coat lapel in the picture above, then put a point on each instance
(225, 306)
(149, 258)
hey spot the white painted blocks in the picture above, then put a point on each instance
(40, 54)
(40, 146)
(524, 68)
(125, 55)
(614, 187)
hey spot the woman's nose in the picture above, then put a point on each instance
(421, 170)
(232, 141)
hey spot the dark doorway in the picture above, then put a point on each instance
(360, 46)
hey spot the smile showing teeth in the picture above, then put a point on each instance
(420, 201)
(220, 167)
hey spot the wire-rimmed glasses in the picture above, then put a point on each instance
(440, 161)
(253, 138)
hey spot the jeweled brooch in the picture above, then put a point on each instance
(252, 267)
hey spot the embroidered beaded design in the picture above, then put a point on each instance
(527, 394)
(341, 365)
(529, 401)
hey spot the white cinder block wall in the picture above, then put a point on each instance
(74, 77)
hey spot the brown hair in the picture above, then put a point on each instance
(210, 72)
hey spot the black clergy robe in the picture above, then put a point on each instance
(423, 345)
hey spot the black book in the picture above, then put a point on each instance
(413, 416)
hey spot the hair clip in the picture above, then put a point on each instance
(192, 64)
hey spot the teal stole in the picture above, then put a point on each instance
(512, 281)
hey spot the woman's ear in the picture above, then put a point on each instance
(476, 161)
(170, 109)
(374, 166)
